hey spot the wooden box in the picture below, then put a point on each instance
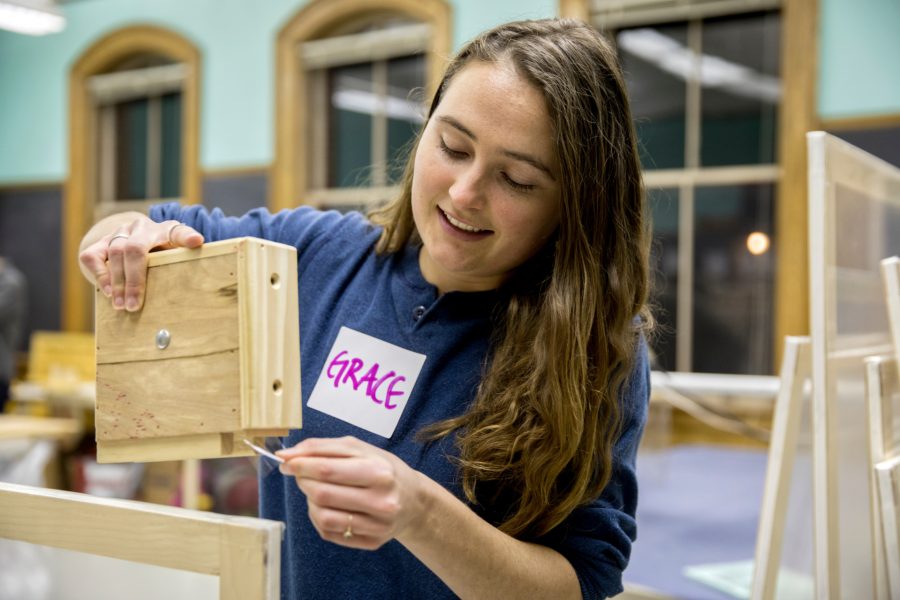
(212, 358)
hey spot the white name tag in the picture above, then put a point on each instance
(366, 382)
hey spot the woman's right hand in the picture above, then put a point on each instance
(114, 254)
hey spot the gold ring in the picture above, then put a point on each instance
(348, 533)
(124, 236)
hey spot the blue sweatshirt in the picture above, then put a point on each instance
(344, 285)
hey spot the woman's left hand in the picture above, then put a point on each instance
(359, 496)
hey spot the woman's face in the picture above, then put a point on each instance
(485, 190)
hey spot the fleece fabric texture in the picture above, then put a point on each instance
(343, 283)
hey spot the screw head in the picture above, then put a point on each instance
(162, 339)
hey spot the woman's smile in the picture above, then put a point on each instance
(458, 226)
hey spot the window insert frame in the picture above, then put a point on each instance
(291, 175)
(694, 175)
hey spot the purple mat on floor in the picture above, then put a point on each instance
(697, 505)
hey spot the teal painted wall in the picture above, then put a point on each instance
(237, 41)
(859, 46)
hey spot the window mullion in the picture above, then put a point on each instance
(684, 326)
(693, 109)
(154, 147)
(318, 162)
(107, 150)
(685, 289)
(379, 123)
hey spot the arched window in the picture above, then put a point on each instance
(133, 138)
(351, 81)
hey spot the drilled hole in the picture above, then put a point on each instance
(275, 280)
(276, 387)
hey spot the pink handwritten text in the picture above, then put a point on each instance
(343, 370)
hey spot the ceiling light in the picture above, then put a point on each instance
(33, 17)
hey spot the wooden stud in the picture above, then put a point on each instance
(244, 552)
(888, 475)
(890, 273)
(795, 372)
(882, 387)
(797, 116)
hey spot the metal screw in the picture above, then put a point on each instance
(162, 339)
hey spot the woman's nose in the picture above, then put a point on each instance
(468, 188)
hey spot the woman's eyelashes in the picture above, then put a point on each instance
(522, 187)
(451, 153)
(454, 154)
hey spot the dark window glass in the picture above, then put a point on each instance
(741, 88)
(883, 142)
(406, 79)
(131, 150)
(656, 88)
(664, 274)
(733, 279)
(350, 128)
(170, 161)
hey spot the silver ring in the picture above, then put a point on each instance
(115, 237)
(171, 229)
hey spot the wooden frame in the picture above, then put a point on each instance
(882, 386)
(795, 372)
(845, 182)
(80, 187)
(319, 18)
(855, 123)
(799, 65)
(890, 272)
(244, 552)
(574, 9)
(883, 377)
(226, 368)
(887, 473)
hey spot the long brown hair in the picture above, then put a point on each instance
(546, 416)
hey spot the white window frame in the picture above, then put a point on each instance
(106, 91)
(318, 56)
(613, 15)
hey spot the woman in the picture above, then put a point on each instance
(507, 282)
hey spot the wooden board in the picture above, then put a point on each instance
(795, 373)
(887, 473)
(244, 552)
(883, 409)
(27, 427)
(211, 358)
(854, 213)
(890, 272)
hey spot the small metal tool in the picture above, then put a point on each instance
(263, 452)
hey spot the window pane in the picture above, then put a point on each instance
(131, 150)
(733, 279)
(350, 125)
(653, 60)
(170, 163)
(664, 274)
(406, 78)
(741, 89)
